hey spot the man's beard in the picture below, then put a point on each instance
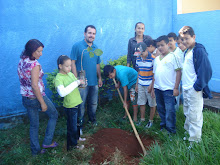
(87, 40)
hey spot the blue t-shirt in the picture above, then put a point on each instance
(89, 64)
(126, 75)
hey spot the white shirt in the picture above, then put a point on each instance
(189, 76)
(180, 54)
(165, 71)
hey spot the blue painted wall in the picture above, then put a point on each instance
(206, 26)
(58, 24)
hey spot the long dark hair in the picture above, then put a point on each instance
(136, 26)
(30, 47)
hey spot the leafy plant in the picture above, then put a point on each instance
(97, 52)
(57, 100)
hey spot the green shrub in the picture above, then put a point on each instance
(105, 92)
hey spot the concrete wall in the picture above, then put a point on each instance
(58, 24)
(206, 26)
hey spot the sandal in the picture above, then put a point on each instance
(82, 139)
(54, 144)
(43, 151)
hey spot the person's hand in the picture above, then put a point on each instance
(136, 88)
(152, 93)
(82, 81)
(117, 85)
(100, 82)
(125, 105)
(43, 107)
(175, 92)
(149, 89)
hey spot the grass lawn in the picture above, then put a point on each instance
(15, 149)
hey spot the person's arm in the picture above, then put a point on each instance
(203, 69)
(73, 68)
(178, 78)
(99, 74)
(125, 89)
(152, 88)
(136, 87)
(63, 91)
(36, 90)
(118, 85)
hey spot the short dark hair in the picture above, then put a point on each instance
(163, 37)
(187, 30)
(61, 59)
(151, 42)
(108, 69)
(30, 47)
(89, 26)
(172, 35)
(178, 37)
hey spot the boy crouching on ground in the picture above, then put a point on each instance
(167, 75)
(144, 63)
(127, 77)
(197, 72)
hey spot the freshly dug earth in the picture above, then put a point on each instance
(110, 141)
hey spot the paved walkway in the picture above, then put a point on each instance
(213, 104)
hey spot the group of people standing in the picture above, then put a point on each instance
(66, 82)
(160, 71)
(156, 72)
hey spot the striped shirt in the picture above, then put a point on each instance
(145, 74)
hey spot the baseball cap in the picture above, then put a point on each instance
(140, 47)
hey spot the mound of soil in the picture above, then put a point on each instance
(109, 140)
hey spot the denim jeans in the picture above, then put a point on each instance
(90, 97)
(72, 127)
(166, 109)
(33, 107)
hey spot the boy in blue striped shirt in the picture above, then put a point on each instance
(144, 63)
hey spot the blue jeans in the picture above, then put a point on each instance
(72, 127)
(166, 109)
(33, 107)
(90, 96)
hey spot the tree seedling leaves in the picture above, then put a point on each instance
(89, 49)
(91, 54)
(98, 52)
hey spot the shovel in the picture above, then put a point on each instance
(131, 121)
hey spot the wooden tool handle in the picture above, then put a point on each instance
(131, 121)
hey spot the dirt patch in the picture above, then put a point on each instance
(112, 144)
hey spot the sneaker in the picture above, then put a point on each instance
(81, 132)
(185, 138)
(43, 151)
(170, 137)
(139, 123)
(149, 125)
(82, 139)
(81, 147)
